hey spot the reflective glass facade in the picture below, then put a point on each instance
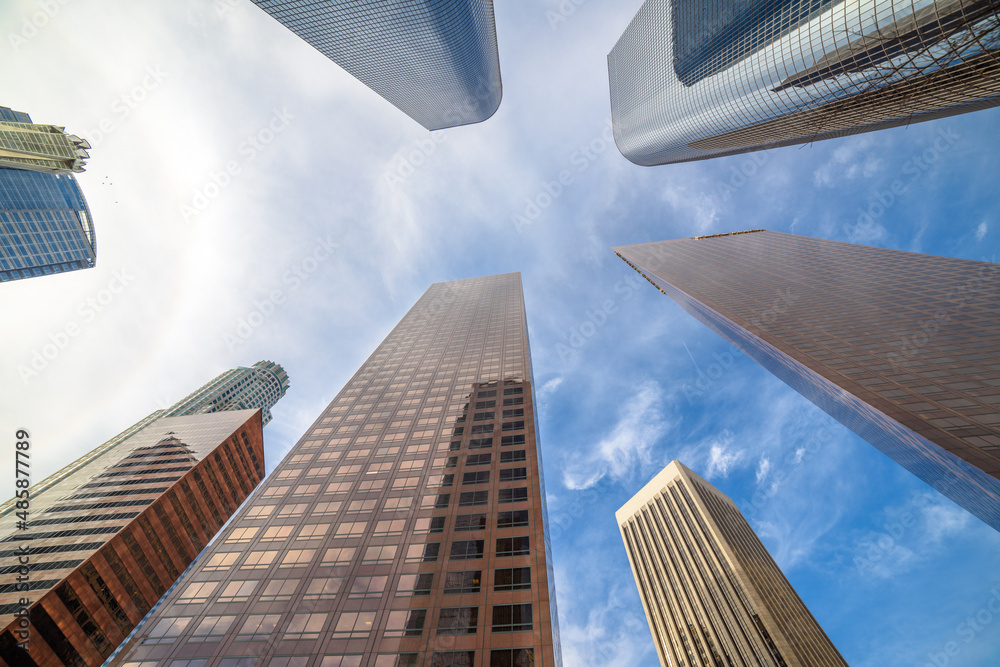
(45, 224)
(711, 592)
(405, 528)
(242, 388)
(695, 79)
(900, 347)
(105, 541)
(435, 60)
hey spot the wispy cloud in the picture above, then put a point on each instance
(628, 445)
(848, 163)
(981, 231)
(763, 467)
(723, 457)
(549, 388)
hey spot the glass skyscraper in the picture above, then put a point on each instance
(711, 592)
(241, 388)
(435, 60)
(900, 347)
(695, 79)
(45, 224)
(407, 526)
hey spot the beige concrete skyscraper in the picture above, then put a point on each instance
(712, 593)
(407, 526)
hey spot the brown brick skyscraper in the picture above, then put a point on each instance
(902, 348)
(407, 526)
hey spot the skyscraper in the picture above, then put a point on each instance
(406, 527)
(900, 347)
(45, 225)
(711, 592)
(98, 548)
(155, 470)
(44, 148)
(435, 60)
(693, 79)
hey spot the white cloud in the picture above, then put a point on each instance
(723, 458)
(627, 447)
(848, 163)
(763, 467)
(981, 231)
(549, 388)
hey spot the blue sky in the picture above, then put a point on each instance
(304, 212)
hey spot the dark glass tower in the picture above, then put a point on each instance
(45, 225)
(407, 526)
(902, 348)
(435, 60)
(711, 592)
(695, 79)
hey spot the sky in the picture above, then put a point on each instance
(237, 171)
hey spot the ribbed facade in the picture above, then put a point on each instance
(407, 526)
(900, 347)
(44, 148)
(711, 592)
(108, 539)
(435, 60)
(695, 79)
(259, 386)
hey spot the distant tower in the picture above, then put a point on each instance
(45, 224)
(902, 348)
(435, 60)
(711, 592)
(693, 79)
(241, 388)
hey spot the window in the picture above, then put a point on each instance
(376, 468)
(199, 591)
(259, 560)
(356, 506)
(462, 582)
(167, 630)
(370, 485)
(260, 511)
(248, 661)
(513, 401)
(348, 469)
(513, 426)
(295, 557)
(482, 405)
(471, 498)
(483, 416)
(479, 429)
(488, 394)
(338, 556)
(470, 522)
(454, 445)
(387, 527)
(516, 495)
(513, 474)
(257, 626)
(279, 590)
(467, 549)
(415, 584)
(318, 472)
(512, 657)
(340, 661)
(289, 511)
(323, 588)
(511, 457)
(275, 533)
(450, 462)
(441, 480)
(512, 519)
(313, 531)
(221, 561)
(429, 525)
(338, 487)
(458, 621)
(368, 587)
(453, 659)
(241, 535)
(306, 490)
(289, 473)
(512, 579)
(480, 443)
(212, 629)
(513, 412)
(306, 626)
(396, 660)
(479, 477)
(423, 553)
(511, 617)
(354, 625)
(351, 529)
(438, 501)
(237, 591)
(405, 623)
(478, 459)
(380, 554)
(405, 483)
(412, 465)
(513, 391)
(396, 504)
(512, 546)
(510, 440)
